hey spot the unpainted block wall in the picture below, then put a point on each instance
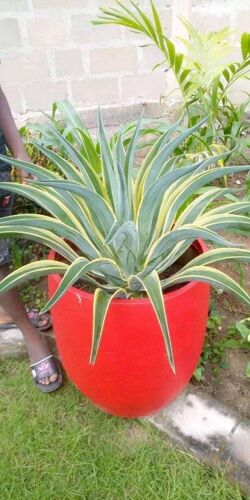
(49, 50)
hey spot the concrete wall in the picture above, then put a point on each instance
(49, 50)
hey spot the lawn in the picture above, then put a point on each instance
(59, 446)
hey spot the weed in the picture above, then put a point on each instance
(213, 355)
(34, 294)
(214, 351)
(239, 338)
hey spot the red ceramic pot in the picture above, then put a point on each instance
(132, 376)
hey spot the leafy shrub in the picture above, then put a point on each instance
(203, 76)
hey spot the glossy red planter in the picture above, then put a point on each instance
(132, 376)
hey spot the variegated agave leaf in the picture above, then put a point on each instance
(119, 230)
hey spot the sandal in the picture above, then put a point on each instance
(35, 319)
(43, 369)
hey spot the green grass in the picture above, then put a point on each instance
(59, 446)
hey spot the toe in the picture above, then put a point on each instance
(44, 381)
(42, 322)
(53, 377)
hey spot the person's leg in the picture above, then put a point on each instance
(11, 301)
(12, 304)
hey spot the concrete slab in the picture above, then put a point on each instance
(211, 432)
(240, 444)
(12, 344)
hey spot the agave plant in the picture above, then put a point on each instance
(71, 126)
(119, 231)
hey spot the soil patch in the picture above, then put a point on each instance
(228, 383)
(190, 254)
